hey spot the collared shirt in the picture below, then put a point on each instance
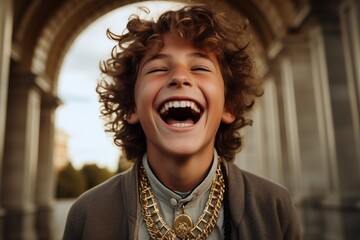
(170, 203)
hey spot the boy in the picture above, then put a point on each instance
(178, 93)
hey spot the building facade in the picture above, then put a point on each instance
(61, 149)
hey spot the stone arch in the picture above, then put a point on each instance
(70, 18)
(48, 29)
(44, 30)
(58, 35)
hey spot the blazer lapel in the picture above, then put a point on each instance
(236, 190)
(130, 197)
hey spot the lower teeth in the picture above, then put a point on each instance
(182, 124)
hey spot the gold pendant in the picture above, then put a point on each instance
(182, 226)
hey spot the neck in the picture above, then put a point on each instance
(180, 173)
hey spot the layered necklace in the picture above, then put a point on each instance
(182, 227)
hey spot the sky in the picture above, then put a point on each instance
(79, 115)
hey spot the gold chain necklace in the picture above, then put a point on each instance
(182, 226)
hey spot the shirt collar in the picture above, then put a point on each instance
(162, 193)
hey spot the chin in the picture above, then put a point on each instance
(187, 150)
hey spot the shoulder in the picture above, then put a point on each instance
(258, 194)
(105, 206)
(255, 199)
(255, 185)
(108, 191)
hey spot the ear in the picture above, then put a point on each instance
(227, 117)
(132, 117)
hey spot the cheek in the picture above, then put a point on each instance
(145, 93)
(215, 98)
(217, 91)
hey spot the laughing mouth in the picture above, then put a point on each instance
(181, 113)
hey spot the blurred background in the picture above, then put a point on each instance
(305, 134)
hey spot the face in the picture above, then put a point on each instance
(179, 99)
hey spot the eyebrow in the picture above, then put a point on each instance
(155, 57)
(165, 56)
(201, 55)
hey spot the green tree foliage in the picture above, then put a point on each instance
(70, 183)
(124, 164)
(95, 175)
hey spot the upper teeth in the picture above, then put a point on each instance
(179, 104)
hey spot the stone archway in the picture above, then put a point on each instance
(308, 147)
(39, 48)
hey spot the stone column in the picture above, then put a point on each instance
(261, 150)
(279, 98)
(340, 131)
(251, 157)
(307, 113)
(45, 184)
(350, 28)
(313, 165)
(6, 21)
(20, 156)
(305, 163)
(271, 132)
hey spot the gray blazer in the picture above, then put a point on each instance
(260, 209)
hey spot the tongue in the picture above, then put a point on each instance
(173, 121)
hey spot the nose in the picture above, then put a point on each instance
(179, 77)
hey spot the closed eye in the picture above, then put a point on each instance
(154, 70)
(199, 68)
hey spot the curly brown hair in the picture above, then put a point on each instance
(208, 31)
